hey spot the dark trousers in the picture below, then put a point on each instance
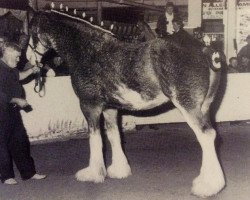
(14, 146)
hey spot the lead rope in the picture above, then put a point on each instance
(39, 83)
(39, 79)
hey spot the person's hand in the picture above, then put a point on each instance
(35, 69)
(22, 103)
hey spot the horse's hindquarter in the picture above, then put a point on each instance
(183, 73)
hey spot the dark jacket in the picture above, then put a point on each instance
(231, 69)
(185, 39)
(162, 22)
(10, 87)
(244, 58)
(244, 52)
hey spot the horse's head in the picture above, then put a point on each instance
(63, 33)
(39, 42)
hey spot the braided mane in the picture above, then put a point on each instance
(82, 20)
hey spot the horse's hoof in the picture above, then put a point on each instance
(119, 171)
(91, 174)
(203, 187)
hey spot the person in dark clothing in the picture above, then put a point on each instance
(146, 32)
(14, 143)
(164, 24)
(3, 39)
(182, 37)
(233, 65)
(198, 34)
(244, 56)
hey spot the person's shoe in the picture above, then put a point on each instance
(10, 181)
(38, 177)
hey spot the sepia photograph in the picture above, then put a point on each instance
(124, 99)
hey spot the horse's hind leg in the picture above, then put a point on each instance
(211, 178)
(119, 167)
(213, 87)
(96, 170)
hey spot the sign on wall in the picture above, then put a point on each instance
(212, 9)
(243, 22)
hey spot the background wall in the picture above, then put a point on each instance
(194, 13)
(58, 114)
(94, 3)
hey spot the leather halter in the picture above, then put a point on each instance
(35, 51)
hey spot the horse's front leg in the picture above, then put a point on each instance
(119, 167)
(96, 170)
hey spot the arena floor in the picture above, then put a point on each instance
(163, 162)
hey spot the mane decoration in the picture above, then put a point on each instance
(80, 19)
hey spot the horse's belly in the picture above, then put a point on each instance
(138, 101)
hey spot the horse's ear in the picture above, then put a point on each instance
(31, 12)
(31, 16)
(33, 5)
(33, 21)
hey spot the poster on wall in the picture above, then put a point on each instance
(212, 9)
(243, 22)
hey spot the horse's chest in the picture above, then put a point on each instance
(138, 101)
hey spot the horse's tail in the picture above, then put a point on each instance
(216, 61)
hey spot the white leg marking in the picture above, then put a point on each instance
(96, 170)
(211, 179)
(119, 167)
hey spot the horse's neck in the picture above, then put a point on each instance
(80, 42)
(87, 29)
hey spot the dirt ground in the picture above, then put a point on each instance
(164, 162)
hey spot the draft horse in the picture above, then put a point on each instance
(108, 75)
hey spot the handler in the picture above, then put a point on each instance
(182, 37)
(164, 23)
(14, 142)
